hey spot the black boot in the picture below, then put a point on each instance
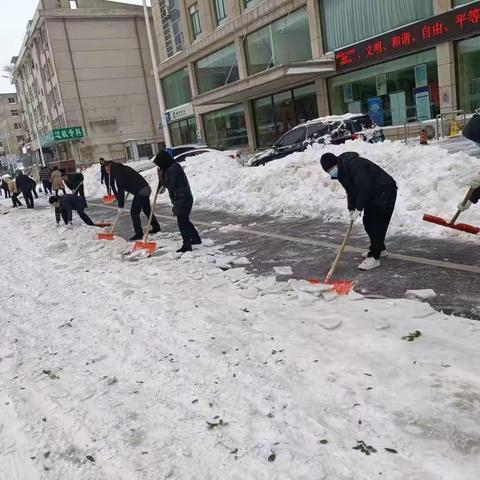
(136, 237)
(155, 229)
(186, 247)
(196, 242)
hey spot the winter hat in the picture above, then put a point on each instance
(328, 161)
(163, 160)
(53, 200)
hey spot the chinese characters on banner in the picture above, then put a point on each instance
(458, 23)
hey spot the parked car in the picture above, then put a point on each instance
(327, 130)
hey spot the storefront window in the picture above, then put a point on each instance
(282, 42)
(349, 21)
(226, 128)
(183, 132)
(145, 150)
(176, 88)
(390, 92)
(276, 114)
(218, 69)
(468, 55)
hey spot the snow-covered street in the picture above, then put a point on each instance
(176, 368)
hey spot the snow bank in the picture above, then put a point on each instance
(430, 180)
(114, 370)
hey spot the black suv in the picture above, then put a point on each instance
(328, 130)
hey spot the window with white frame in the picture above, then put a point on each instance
(194, 13)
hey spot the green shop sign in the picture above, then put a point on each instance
(58, 135)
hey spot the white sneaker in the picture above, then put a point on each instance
(383, 254)
(369, 264)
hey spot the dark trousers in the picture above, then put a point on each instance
(7, 192)
(28, 196)
(139, 203)
(16, 202)
(376, 219)
(85, 217)
(47, 186)
(187, 229)
(110, 184)
(34, 190)
(62, 189)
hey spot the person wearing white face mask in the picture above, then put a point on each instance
(371, 192)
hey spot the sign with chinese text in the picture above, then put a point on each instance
(452, 25)
(178, 113)
(58, 135)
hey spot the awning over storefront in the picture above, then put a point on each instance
(270, 81)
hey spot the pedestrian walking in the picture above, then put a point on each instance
(371, 192)
(66, 204)
(12, 186)
(35, 175)
(57, 182)
(25, 185)
(5, 188)
(45, 175)
(107, 179)
(173, 177)
(129, 180)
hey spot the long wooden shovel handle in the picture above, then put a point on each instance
(465, 200)
(117, 218)
(339, 254)
(79, 185)
(150, 218)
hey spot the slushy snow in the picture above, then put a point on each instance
(176, 368)
(430, 180)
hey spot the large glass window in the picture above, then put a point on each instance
(350, 21)
(176, 88)
(195, 20)
(183, 132)
(226, 128)
(468, 55)
(220, 12)
(217, 70)
(276, 114)
(389, 92)
(281, 43)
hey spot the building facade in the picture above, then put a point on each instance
(12, 130)
(240, 73)
(85, 80)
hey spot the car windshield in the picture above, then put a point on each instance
(317, 130)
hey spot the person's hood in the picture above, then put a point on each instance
(163, 160)
(348, 156)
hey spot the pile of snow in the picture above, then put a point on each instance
(189, 367)
(430, 180)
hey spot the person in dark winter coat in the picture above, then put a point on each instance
(5, 188)
(45, 175)
(172, 176)
(371, 192)
(66, 204)
(129, 180)
(25, 185)
(107, 179)
(74, 181)
(472, 128)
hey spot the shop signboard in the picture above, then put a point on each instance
(457, 23)
(422, 103)
(178, 113)
(375, 110)
(58, 135)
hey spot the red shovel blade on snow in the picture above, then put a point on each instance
(108, 199)
(341, 287)
(463, 227)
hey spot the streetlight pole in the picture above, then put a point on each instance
(161, 99)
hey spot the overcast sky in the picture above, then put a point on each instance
(14, 15)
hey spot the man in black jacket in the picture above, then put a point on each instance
(172, 176)
(66, 204)
(129, 180)
(371, 192)
(106, 178)
(74, 181)
(25, 184)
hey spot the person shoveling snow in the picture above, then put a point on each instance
(64, 206)
(371, 192)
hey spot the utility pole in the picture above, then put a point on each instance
(161, 99)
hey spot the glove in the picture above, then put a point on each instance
(475, 183)
(464, 206)
(355, 215)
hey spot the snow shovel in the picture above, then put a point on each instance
(463, 227)
(108, 199)
(109, 235)
(341, 287)
(149, 247)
